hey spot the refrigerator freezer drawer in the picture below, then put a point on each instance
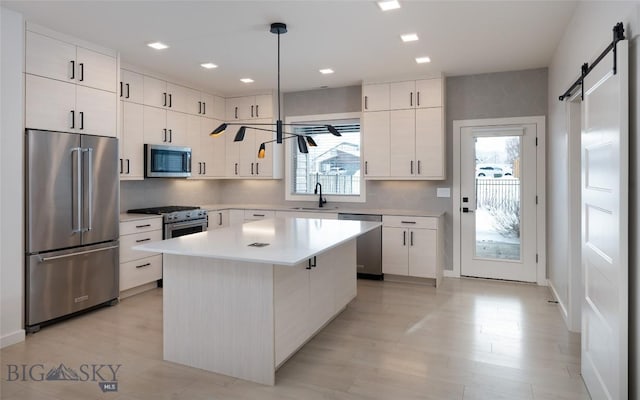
(64, 282)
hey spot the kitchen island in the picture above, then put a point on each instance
(241, 300)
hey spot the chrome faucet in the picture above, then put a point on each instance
(321, 201)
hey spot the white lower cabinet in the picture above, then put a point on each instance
(138, 267)
(306, 214)
(218, 219)
(255, 215)
(307, 296)
(412, 246)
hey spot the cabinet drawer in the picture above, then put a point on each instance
(410, 222)
(141, 225)
(258, 214)
(128, 241)
(139, 272)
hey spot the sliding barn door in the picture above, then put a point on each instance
(605, 166)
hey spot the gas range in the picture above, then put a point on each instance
(173, 214)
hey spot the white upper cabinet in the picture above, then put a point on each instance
(375, 97)
(212, 106)
(375, 132)
(423, 93)
(430, 143)
(249, 107)
(155, 92)
(402, 95)
(179, 98)
(131, 84)
(56, 59)
(429, 93)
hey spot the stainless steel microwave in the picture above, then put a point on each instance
(162, 161)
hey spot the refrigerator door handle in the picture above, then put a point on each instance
(78, 210)
(89, 151)
(45, 259)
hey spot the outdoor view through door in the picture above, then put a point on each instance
(498, 202)
(497, 209)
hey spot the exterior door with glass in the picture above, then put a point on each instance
(498, 235)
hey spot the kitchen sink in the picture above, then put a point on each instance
(314, 208)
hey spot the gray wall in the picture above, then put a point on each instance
(162, 192)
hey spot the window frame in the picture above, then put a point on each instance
(288, 158)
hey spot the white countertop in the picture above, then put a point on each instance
(291, 240)
(124, 217)
(328, 208)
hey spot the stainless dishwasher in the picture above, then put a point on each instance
(369, 258)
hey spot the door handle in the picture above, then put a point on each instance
(45, 259)
(79, 188)
(90, 189)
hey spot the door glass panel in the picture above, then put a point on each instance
(497, 211)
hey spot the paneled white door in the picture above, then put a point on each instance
(605, 269)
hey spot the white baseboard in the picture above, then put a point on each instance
(12, 338)
(563, 308)
(449, 273)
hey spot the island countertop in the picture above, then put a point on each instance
(290, 241)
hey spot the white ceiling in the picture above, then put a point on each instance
(354, 38)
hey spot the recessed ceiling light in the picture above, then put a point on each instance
(409, 37)
(246, 80)
(388, 5)
(326, 71)
(158, 45)
(208, 65)
(422, 60)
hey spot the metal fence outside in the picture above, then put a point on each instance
(335, 184)
(502, 193)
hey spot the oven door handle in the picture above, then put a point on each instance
(178, 225)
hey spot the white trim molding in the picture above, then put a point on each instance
(12, 338)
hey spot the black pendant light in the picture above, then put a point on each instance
(277, 28)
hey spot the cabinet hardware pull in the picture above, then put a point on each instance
(251, 168)
(408, 222)
(127, 85)
(143, 240)
(199, 168)
(199, 107)
(164, 94)
(252, 111)
(81, 65)
(418, 98)
(143, 265)
(204, 168)
(73, 119)
(220, 218)
(170, 130)
(164, 138)
(419, 173)
(204, 108)
(257, 169)
(404, 238)
(128, 166)
(411, 167)
(73, 69)
(143, 226)
(81, 119)
(411, 99)
(315, 263)
(169, 99)
(121, 89)
(411, 238)
(366, 105)
(121, 170)
(308, 264)
(236, 167)
(366, 169)
(257, 113)
(258, 215)
(236, 112)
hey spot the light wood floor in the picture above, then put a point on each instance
(469, 339)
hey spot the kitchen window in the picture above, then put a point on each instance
(335, 162)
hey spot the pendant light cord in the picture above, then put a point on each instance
(279, 117)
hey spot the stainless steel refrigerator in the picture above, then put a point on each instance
(72, 195)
